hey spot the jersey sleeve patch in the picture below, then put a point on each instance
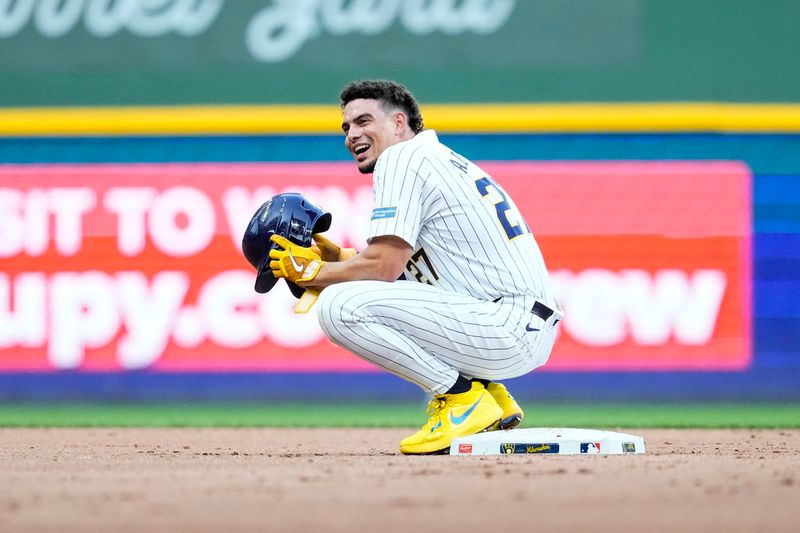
(384, 212)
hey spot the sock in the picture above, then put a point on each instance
(462, 384)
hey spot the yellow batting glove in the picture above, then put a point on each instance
(330, 251)
(292, 262)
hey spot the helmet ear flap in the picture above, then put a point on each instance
(289, 215)
(323, 223)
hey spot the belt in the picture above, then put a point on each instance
(544, 312)
(538, 309)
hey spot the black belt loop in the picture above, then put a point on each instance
(542, 311)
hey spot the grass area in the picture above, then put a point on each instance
(596, 415)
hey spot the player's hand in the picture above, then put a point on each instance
(330, 251)
(292, 262)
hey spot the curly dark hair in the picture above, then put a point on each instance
(392, 95)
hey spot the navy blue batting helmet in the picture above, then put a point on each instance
(289, 215)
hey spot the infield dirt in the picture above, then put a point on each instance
(176, 480)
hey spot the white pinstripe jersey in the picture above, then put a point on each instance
(467, 234)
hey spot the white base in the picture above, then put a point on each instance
(562, 441)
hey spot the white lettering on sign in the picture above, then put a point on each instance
(279, 31)
(605, 308)
(12, 223)
(350, 210)
(104, 18)
(181, 221)
(25, 220)
(275, 33)
(149, 311)
(229, 304)
(69, 205)
(130, 204)
(138, 315)
(239, 204)
(23, 323)
(83, 314)
(72, 312)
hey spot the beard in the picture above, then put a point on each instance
(367, 167)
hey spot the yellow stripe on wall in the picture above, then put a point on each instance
(587, 118)
(461, 118)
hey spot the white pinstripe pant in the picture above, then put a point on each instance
(428, 336)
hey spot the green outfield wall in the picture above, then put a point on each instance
(133, 52)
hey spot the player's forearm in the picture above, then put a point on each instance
(360, 267)
(383, 260)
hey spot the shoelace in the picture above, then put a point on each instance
(435, 407)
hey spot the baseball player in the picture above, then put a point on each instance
(475, 305)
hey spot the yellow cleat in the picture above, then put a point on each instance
(452, 416)
(512, 412)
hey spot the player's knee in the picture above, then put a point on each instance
(340, 306)
(331, 309)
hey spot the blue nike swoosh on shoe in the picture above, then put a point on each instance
(437, 426)
(529, 328)
(456, 420)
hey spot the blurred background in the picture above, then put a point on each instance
(653, 148)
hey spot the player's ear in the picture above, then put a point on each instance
(400, 122)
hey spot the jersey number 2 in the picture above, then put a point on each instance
(502, 207)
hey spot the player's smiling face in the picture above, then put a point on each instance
(369, 130)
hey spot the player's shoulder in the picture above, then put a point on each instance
(423, 145)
